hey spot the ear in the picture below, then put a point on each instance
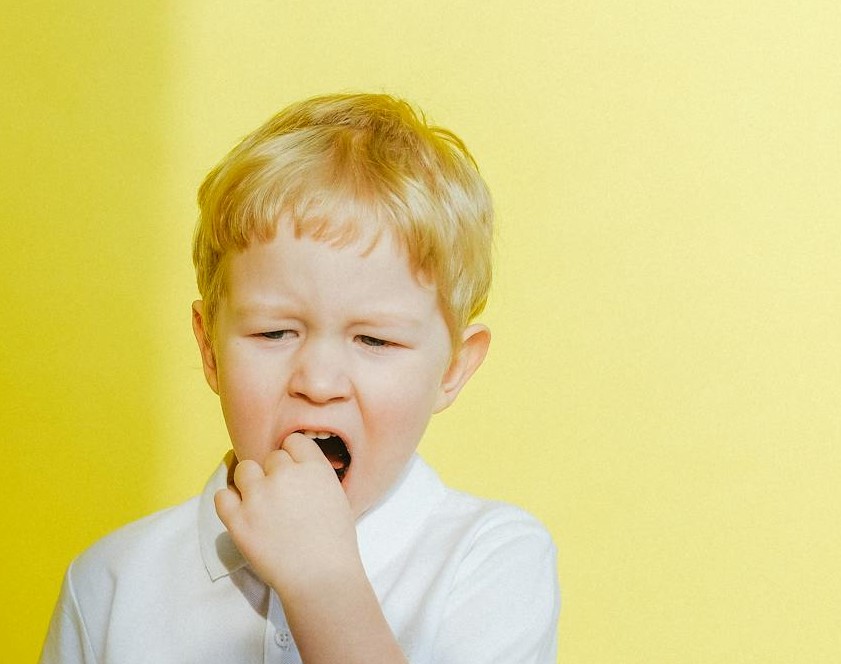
(205, 347)
(468, 358)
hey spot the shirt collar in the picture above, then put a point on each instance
(384, 530)
(220, 554)
(381, 531)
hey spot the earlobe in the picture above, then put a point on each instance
(208, 358)
(465, 362)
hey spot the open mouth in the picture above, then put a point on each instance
(334, 448)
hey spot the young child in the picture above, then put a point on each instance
(342, 253)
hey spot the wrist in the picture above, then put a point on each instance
(333, 576)
(344, 603)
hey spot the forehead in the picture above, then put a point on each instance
(313, 271)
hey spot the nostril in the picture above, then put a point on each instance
(324, 388)
(320, 373)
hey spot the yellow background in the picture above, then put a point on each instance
(664, 384)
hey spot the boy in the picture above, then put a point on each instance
(342, 254)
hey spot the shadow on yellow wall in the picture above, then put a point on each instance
(82, 160)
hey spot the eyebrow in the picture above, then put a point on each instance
(258, 308)
(389, 319)
(255, 308)
(373, 318)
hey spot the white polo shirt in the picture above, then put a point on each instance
(460, 580)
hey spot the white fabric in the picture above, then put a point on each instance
(460, 580)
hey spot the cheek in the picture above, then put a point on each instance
(401, 406)
(246, 397)
(245, 374)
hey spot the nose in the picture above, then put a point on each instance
(319, 374)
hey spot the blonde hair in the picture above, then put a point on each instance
(349, 167)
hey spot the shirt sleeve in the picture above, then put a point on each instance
(505, 601)
(67, 640)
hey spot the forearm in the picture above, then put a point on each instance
(341, 622)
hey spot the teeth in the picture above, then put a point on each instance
(317, 435)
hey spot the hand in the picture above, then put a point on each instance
(291, 519)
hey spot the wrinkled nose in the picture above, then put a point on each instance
(319, 374)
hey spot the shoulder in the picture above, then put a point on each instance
(487, 525)
(454, 527)
(138, 548)
(504, 552)
(113, 584)
(504, 598)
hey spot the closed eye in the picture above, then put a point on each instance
(374, 342)
(277, 334)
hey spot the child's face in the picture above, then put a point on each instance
(315, 338)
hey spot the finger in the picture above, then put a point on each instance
(302, 448)
(276, 460)
(227, 503)
(246, 474)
